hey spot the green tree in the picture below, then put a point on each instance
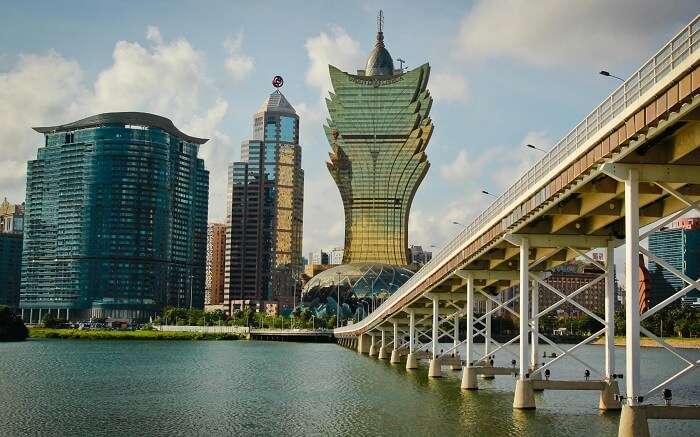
(11, 326)
(50, 321)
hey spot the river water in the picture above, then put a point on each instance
(212, 388)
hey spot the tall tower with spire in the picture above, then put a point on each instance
(379, 128)
(264, 217)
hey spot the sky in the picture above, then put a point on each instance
(504, 74)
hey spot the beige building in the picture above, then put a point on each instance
(214, 279)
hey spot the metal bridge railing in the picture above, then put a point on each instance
(669, 57)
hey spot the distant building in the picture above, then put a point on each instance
(319, 257)
(679, 246)
(11, 226)
(10, 268)
(569, 277)
(419, 256)
(115, 221)
(265, 210)
(312, 270)
(214, 278)
(11, 217)
(335, 256)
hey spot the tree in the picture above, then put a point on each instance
(11, 326)
(50, 321)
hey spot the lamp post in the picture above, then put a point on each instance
(488, 194)
(337, 304)
(530, 146)
(607, 74)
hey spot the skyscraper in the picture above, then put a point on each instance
(378, 131)
(216, 260)
(116, 217)
(679, 246)
(265, 210)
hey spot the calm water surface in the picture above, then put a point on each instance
(127, 388)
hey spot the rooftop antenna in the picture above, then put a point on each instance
(401, 61)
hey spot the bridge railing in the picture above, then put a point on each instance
(670, 56)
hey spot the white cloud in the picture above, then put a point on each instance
(153, 34)
(39, 90)
(337, 49)
(165, 79)
(591, 33)
(448, 87)
(238, 65)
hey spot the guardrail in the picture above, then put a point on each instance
(670, 56)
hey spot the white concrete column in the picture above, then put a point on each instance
(67, 314)
(487, 339)
(534, 338)
(470, 321)
(632, 349)
(436, 326)
(39, 316)
(396, 336)
(455, 333)
(412, 331)
(31, 315)
(524, 308)
(610, 311)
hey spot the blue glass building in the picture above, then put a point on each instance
(115, 220)
(679, 246)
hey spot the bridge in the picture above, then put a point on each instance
(629, 168)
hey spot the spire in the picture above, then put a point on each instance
(379, 62)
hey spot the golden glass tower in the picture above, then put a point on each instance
(378, 130)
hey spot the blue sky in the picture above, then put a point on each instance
(504, 73)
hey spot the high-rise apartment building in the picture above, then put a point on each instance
(11, 217)
(216, 261)
(679, 246)
(318, 257)
(419, 256)
(335, 256)
(265, 210)
(115, 220)
(379, 128)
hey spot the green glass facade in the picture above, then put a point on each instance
(379, 128)
(10, 263)
(116, 219)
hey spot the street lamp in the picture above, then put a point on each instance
(337, 304)
(607, 74)
(530, 146)
(488, 194)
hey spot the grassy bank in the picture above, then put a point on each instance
(693, 343)
(105, 334)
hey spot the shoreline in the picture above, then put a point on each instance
(104, 334)
(679, 342)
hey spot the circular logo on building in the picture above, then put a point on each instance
(277, 81)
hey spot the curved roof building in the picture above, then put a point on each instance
(379, 128)
(115, 220)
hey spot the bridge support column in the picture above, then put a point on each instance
(469, 373)
(487, 338)
(382, 348)
(524, 393)
(435, 370)
(373, 352)
(608, 399)
(395, 356)
(455, 335)
(534, 331)
(411, 361)
(363, 344)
